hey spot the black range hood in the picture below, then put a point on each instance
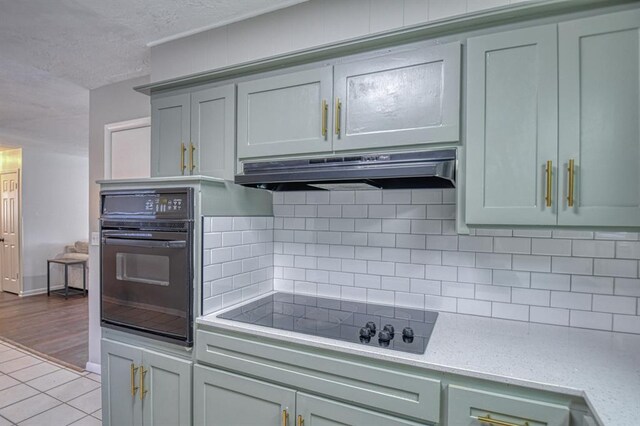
(422, 169)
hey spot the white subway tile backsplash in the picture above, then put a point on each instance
(439, 303)
(593, 320)
(528, 296)
(627, 250)
(571, 265)
(589, 284)
(531, 263)
(456, 289)
(474, 307)
(512, 245)
(626, 323)
(493, 293)
(510, 311)
(442, 242)
(616, 268)
(473, 275)
(551, 247)
(627, 287)
(565, 299)
(511, 278)
(587, 248)
(493, 261)
(553, 316)
(614, 304)
(401, 247)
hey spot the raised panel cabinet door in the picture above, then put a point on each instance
(599, 110)
(512, 115)
(469, 407)
(227, 399)
(285, 114)
(170, 132)
(121, 405)
(213, 132)
(316, 411)
(167, 390)
(402, 98)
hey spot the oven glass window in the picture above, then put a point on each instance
(142, 268)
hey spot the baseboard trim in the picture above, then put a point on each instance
(93, 367)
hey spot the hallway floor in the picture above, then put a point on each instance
(37, 392)
(51, 326)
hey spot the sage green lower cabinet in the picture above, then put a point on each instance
(227, 399)
(473, 407)
(144, 387)
(316, 411)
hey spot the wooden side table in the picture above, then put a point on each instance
(67, 290)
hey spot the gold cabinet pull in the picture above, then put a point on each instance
(549, 171)
(571, 173)
(143, 392)
(134, 388)
(192, 163)
(285, 417)
(488, 420)
(325, 113)
(338, 112)
(300, 421)
(183, 149)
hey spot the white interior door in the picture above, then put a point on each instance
(10, 232)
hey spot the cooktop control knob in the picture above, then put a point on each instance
(384, 336)
(365, 332)
(371, 326)
(407, 332)
(365, 339)
(390, 329)
(383, 343)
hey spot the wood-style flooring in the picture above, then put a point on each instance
(52, 326)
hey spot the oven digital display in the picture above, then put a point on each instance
(145, 204)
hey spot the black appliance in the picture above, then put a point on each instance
(396, 328)
(146, 262)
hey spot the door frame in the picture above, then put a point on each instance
(18, 171)
(119, 126)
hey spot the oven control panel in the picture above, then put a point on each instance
(158, 204)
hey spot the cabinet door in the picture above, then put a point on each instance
(169, 130)
(213, 132)
(512, 118)
(316, 411)
(599, 110)
(403, 98)
(121, 404)
(283, 115)
(226, 399)
(167, 383)
(467, 407)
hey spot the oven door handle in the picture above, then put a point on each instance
(144, 243)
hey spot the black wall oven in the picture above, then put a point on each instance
(147, 263)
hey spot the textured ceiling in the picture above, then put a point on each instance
(53, 51)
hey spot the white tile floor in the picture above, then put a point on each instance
(35, 392)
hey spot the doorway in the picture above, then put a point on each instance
(10, 232)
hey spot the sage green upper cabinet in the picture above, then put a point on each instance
(512, 127)
(213, 132)
(170, 134)
(194, 133)
(599, 113)
(401, 98)
(285, 114)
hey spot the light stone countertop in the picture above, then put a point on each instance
(602, 367)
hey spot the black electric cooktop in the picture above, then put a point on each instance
(395, 328)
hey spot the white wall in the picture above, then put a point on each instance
(305, 25)
(54, 209)
(108, 104)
